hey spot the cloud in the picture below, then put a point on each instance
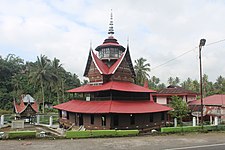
(157, 30)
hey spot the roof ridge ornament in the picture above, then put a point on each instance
(111, 30)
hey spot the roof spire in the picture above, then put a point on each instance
(111, 30)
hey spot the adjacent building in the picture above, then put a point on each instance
(27, 108)
(164, 96)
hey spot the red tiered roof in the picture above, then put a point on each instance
(112, 85)
(116, 106)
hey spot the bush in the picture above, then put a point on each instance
(78, 134)
(100, 133)
(192, 129)
(126, 132)
(2, 112)
(21, 134)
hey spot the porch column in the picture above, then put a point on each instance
(194, 121)
(216, 120)
(197, 121)
(211, 120)
(175, 122)
(50, 121)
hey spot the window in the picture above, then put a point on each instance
(162, 116)
(92, 119)
(132, 119)
(103, 120)
(151, 118)
(116, 120)
(67, 115)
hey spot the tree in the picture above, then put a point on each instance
(141, 69)
(40, 74)
(180, 108)
(170, 80)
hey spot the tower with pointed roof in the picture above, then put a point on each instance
(111, 100)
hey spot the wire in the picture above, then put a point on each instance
(212, 43)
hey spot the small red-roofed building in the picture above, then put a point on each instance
(111, 100)
(213, 106)
(27, 107)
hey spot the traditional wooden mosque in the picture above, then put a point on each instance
(111, 100)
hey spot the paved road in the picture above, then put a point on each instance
(207, 141)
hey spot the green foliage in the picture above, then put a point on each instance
(21, 134)
(78, 134)
(3, 112)
(100, 133)
(126, 132)
(45, 80)
(180, 108)
(141, 69)
(192, 129)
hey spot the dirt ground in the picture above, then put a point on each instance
(147, 142)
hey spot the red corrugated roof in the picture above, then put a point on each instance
(103, 68)
(19, 108)
(217, 100)
(112, 85)
(112, 106)
(113, 68)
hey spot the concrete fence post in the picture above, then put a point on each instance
(2, 120)
(38, 119)
(194, 121)
(175, 122)
(50, 121)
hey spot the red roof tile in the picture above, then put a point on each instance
(112, 85)
(112, 106)
(217, 100)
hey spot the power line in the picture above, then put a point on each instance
(212, 43)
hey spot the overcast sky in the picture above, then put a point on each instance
(158, 30)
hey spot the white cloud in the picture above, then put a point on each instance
(157, 30)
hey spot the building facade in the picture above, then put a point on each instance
(111, 100)
(164, 96)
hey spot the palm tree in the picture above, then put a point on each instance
(40, 74)
(141, 69)
(170, 80)
(56, 77)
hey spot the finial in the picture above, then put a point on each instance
(111, 31)
(90, 45)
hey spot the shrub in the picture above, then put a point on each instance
(21, 134)
(100, 133)
(78, 134)
(126, 132)
(192, 129)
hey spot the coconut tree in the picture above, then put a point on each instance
(141, 68)
(56, 76)
(40, 74)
